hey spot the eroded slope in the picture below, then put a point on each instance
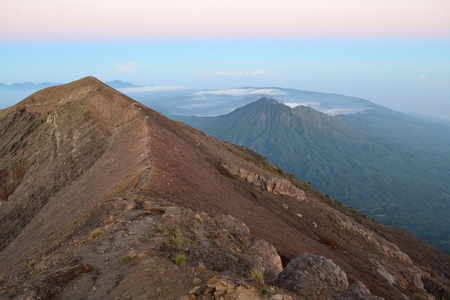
(74, 142)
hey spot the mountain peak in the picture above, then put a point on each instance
(118, 84)
(266, 99)
(84, 88)
(88, 81)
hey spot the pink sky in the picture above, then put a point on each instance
(136, 19)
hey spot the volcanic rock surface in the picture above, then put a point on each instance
(103, 198)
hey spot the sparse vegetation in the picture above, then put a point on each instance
(32, 264)
(95, 234)
(175, 237)
(126, 259)
(257, 274)
(273, 290)
(180, 260)
(198, 218)
(201, 266)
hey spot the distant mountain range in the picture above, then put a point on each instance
(117, 84)
(393, 167)
(26, 86)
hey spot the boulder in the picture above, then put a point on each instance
(267, 258)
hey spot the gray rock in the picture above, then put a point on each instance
(231, 224)
(270, 260)
(310, 272)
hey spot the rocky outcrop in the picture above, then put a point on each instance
(404, 275)
(220, 243)
(226, 287)
(313, 276)
(49, 285)
(276, 185)
(309, 272)
(385, 247)
(356, 291)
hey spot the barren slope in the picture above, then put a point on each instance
(78, 142)
(83, 157)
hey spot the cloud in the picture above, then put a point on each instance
(269, 70)
(128, 67)
(425, 73)
(240, 92)
(237, 73)
(152, 89)
(295, 104)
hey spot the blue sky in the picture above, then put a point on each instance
(396, 54)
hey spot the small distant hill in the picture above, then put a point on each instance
(118, 84)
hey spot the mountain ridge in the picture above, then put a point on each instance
(120, 190)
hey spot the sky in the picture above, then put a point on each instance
(393, 53)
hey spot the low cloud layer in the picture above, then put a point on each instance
(240, 92)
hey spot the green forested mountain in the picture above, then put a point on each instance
(393, 167)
